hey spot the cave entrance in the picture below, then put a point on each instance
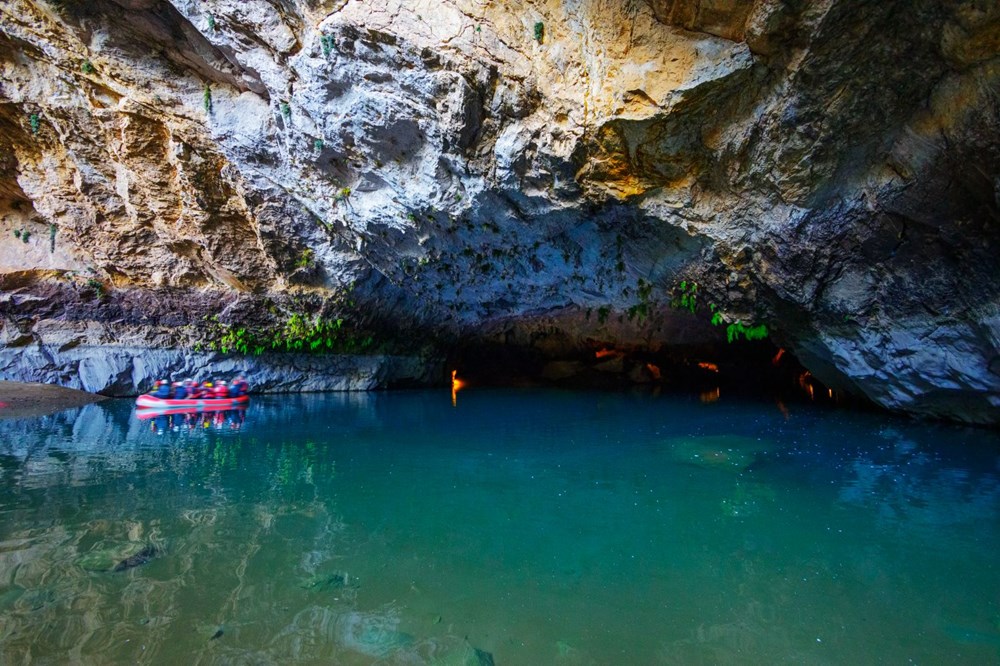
(749, 369)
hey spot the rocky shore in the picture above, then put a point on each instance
(21, 400)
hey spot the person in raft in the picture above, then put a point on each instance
(163, 390)
(239, 387)
(180, 391)
(198, 389)
(220, 390)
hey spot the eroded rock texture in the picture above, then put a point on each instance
(513, 171)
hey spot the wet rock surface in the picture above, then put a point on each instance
(828, 169)
(127, 371)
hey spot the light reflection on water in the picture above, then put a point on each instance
(540, 527)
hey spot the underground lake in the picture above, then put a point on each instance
(515, 526)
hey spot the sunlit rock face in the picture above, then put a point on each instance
(510, 172)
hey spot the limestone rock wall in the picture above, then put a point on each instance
(829, 168)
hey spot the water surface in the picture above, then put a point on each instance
(537, 527)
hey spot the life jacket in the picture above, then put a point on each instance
(220, 391)
(162, 391)
(180, 392)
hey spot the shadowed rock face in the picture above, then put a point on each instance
(828, 168)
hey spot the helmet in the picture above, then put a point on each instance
(222, 382)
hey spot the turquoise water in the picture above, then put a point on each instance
(530, 527)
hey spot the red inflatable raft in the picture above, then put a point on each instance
(157, 412)
(147, 401)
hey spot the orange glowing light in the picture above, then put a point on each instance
(456, 386)
(805, 383)
(829, 393)
(711, 367)
(709, 396)
(782, 409)
(604, 353)
(654, 371)
(804, 380)
(777, 357)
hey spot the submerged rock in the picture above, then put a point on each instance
(209, 631)
(10, 596)
(117, 558)
(371, 634)
(100, 560)
(327, 582)
(568, 655)
(747, 499)
(463, 655)
(729, 452)
(144, 556)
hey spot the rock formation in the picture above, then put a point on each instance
(191, 176)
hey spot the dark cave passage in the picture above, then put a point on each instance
(749, 369)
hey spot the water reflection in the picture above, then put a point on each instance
(536, 527)
(186, 420)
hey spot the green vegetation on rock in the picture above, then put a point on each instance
(717, 319)
(734, 331)
(298, 333)
(687, 298)
(97, 286)
(641, 309)
(327, 42)
(305, 259)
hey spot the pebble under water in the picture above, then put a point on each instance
(517, 527)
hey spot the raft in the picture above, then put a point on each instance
(146, 413)
(147, 401)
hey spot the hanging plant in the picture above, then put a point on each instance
(539, 32)
(327, 42)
